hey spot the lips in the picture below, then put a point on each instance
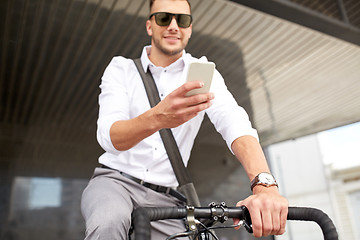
(172, 38)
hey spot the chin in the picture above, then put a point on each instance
(172, 51)
(169, 49)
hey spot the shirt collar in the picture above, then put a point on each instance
(181, 62)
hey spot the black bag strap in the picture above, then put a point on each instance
(172, 150)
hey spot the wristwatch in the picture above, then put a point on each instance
(265, 179)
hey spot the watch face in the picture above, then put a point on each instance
(266, 178)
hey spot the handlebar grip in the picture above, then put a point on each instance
(143, 216)
(304, 214)
(315, 215)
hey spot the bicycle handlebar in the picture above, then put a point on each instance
(143, 216)
(315, 215)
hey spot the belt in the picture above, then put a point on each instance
(157, 188)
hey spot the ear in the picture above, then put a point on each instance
(149, 28)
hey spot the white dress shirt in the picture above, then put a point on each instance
(123, 97)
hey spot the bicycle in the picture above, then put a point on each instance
(202, 220)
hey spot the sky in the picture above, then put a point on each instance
(341, 146)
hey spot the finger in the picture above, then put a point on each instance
(267, 222)
(236, 222)
(239, 203)
(256, 220)
(186, 87)
(194, 109)
(283, 218)
(276, 221)
(199, 98)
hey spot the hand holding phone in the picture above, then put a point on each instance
(199, 71)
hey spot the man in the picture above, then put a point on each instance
(128, 132)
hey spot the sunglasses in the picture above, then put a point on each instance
(164, 19)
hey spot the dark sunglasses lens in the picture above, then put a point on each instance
(184, 20)
(163, 19)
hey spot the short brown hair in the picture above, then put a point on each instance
(152, 2)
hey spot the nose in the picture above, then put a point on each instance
(173, 24)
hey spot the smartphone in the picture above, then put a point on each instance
(199, 71)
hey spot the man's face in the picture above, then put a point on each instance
(169, 40)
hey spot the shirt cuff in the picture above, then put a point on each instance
(103, 136)
(237, 134)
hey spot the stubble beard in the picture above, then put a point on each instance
(167, 51)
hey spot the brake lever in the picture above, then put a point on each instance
(247, 220)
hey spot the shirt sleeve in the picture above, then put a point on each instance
(229, 119)
(113, 101)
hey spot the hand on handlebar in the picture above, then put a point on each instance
(268, 211)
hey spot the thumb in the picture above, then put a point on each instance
(240, 203)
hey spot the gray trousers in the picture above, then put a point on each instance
(108, 201)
